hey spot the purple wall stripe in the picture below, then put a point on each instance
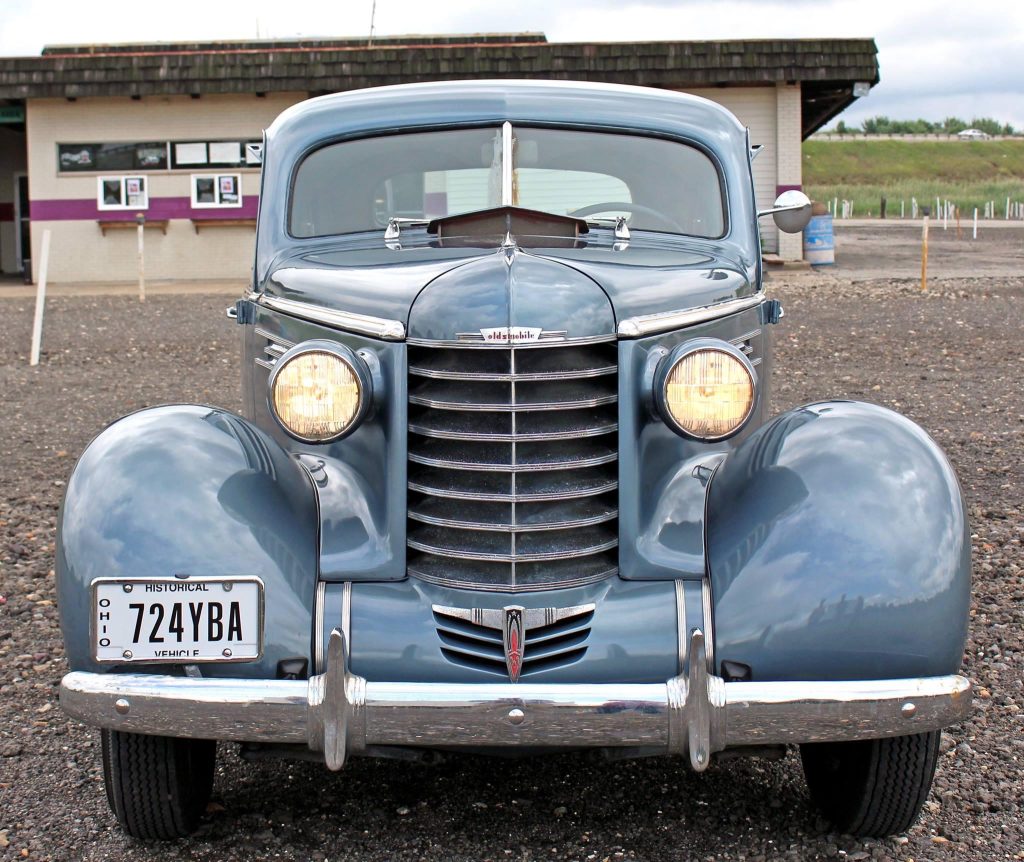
(79, 209)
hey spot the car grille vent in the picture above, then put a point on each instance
(274, 349)
(513, 474)
(748, 345)
(472, 643)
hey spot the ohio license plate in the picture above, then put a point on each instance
(177, 619)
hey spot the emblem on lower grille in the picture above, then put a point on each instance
(515, 623)
(512, 639)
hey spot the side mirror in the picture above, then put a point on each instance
(792, 211)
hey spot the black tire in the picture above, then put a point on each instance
(157, 786)
(874, 787)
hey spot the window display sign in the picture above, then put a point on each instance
(122, 193)
(216, 190)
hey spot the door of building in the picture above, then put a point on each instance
(22, 224)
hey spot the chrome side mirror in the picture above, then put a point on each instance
(792, 211)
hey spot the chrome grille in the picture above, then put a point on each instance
(513, 475)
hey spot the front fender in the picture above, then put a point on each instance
(838, 548)
(185, 489)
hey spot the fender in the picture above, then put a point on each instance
(185, 489)
(839, 548)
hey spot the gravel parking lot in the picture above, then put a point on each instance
(949, 359)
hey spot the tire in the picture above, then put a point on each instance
(874, 787)
(157, 786)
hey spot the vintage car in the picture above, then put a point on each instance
(507, 479)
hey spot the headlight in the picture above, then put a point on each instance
(705, 389)
(319, 391)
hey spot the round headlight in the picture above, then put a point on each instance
(318, 393)
(706, 390)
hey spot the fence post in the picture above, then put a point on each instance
(924, 252)
(141, 230)
(37, 320)
(975, 223)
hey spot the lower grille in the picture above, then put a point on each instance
(470, 639)
(513, 474)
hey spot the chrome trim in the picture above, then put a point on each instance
(277, 339)
(518, 345)
(547, 466)
(507, 166)
(593, 431)
(516, 557)
(484, 526)
(342, 714)
(547, 586)
(361, 324)
(528, 377)
(346, 611)
(708, 608)
(494, 618)
(519, 407)
(547, 497)
(263, 363)
(318, 617)
(681, 638)
(663, 321)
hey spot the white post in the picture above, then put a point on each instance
(835, 208)
(975, 223)
(1007, 209)
(945, 213)
(37, 321)
(141, 230)
(903, 209)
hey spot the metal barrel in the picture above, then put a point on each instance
(819, 241)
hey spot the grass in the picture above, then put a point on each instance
(967, 173)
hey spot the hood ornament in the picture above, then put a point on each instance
(512, 640)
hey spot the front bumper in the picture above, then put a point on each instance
(342, 714)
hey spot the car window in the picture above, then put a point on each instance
(655, 184)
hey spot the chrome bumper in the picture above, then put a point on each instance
(341, 714)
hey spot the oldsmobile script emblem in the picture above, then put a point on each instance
(515, 623)
(511, 334)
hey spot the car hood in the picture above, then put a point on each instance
(582, 291)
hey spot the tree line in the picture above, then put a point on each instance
(882, 125)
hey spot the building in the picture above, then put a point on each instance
(93, 135)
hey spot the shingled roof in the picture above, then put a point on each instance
(826, 68)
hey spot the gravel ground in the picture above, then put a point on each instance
(949, 360)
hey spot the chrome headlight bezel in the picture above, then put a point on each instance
(358, 367)
(679, 353)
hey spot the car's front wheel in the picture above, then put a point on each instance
(157, 786)
(871, 787)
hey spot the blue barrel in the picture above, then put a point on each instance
(819, 241)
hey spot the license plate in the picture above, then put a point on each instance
(181, 620)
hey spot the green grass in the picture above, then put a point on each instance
(967, 173)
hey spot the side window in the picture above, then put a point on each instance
(216, 190)
(122, 193)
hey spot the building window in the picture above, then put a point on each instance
(212, 154)
(77, 158)
(216, 190)
(122, 193)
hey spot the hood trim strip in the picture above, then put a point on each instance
(663, 321)
(361, 324)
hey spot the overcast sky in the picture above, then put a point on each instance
(937, 58)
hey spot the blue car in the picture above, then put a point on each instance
(507, 479)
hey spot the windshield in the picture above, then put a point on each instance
(654, 184)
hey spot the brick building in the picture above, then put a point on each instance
(92, 135)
